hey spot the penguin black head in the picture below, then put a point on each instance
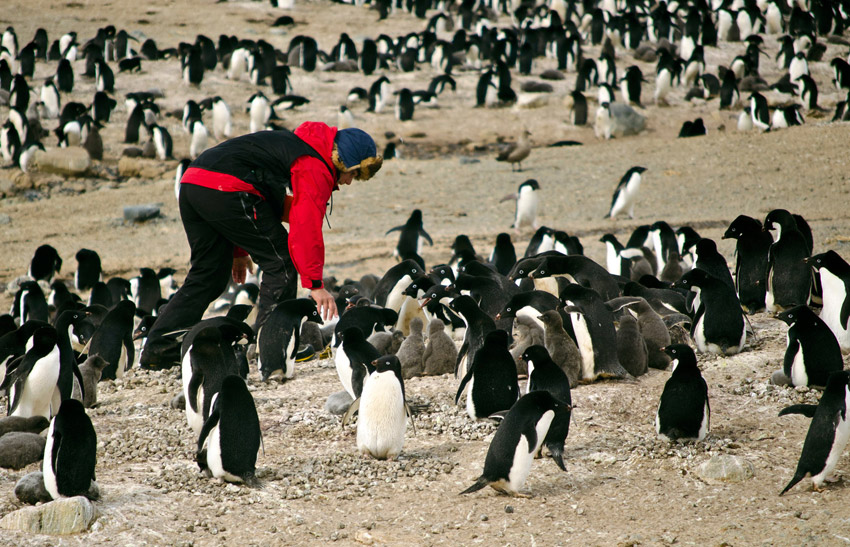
(797, 314)
(387, 363)
(682, 357)
(693, 279)
(530, 183)
(741, 226)
(535, 354)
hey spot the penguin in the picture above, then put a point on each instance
(60, 298)
(146, 290)
(834, 273)
(410, 353)
(162, 141)
(503, 256)
(560, 346)
(808, 93)
(812, 352)
(631, 346)
(70, 453)
(729, 94)
(90, 371)
(29, 303)
(710, 260)
(102, 107)
(478, 326)
(369, 319)
(203, 370)
(491, 377)
(50, 99)
(404, 106)
(695, 128)
(630, 85)
(527, 205)
(14, 343)
(625, 194)
(683, 411)
(578, 108)
(411, 237)
(530, 304)
(653, 330)
(353, 360)
(70, 379)
(104, 78)
(231, 437)
(193, 66)
(234, 334)
(759, 111)
(64, 77)
(199, 139)
(260, 111)
(798, 67)
(440, 353)
(545, 375)
(787, 116)
(113, 340)
(752, 247)
(789, 278)
(719, 325)
(517, 439)
(663, 240)
(378, 94)
(576, 269)
(277, 339)
(841, 75)
(45, 264)
(222, 125)
(383, 411)
(31, 379)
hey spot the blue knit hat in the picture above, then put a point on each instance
(356, 151)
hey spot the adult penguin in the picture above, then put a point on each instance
(203, 371)
(812, 352)
(683, 411)
(113, 340)
(596, 338)
(492, 378)
(411, 237)
(70, 453)
(751, 249)
(277, 339)
(31, 379)
(718, 324)
(834, 275)
(545, 375)
(478, 326)
(789, 278)
(353, 360)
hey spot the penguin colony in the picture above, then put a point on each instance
(551, 276)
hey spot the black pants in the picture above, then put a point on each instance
(214, 222)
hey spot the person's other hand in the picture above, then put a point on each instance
(325, 303)
(241, 266)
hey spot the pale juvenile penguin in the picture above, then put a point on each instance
(70, 454)
(278, 338)
(440, 353)
(561, 347)
(231, 436)
(527, 332)
(812, 352)
(412, 351)
(625, 195)
(828, 432)
(834, 275)
(91, 370)
(545, 375)
(518, 438)
(631, 346)
(492, 378)
(683, 412)
(383, 411)
(654, 332)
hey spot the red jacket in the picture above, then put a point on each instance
(312, 185)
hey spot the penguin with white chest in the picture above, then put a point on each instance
(789, 278)
(70, 453)
(353, 360)
(383, 411)
(545, 375)
(411, 237)
(277, 340)
(683, 412)
(625, 195)
(527, 205)
(834, 274)
(812, 352)
(31, 380)
(231, 436)
(518, 438)
(203, 371)
(828, 432)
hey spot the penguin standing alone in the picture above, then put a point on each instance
(683, 412)
(383, 411)
(625, 195)
(70, 453)
(835, 279)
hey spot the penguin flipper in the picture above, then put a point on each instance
(498, 416)
(556, 452)
(424, 234)
(464, 348)
(798, 476)
(806, 410)
(131, 350)
(395, 229)
(480, 483)
(463, 384)
(358, 378)
(409, 413)
(194, 385)
(79, 375)
(9, 379)
(790, 353)
(530, 433)
(352, 410)
(845, 311)
(215, 414)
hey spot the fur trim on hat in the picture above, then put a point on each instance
(363, 170)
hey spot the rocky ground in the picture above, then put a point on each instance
(622, 485)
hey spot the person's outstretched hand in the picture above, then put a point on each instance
(241, 266)
(324, 303)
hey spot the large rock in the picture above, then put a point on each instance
(30, 489)
(726, 468)
(129, 167)
(60, 517)
(338, 403)
(140, 213)
(72, 161)
(19, 449)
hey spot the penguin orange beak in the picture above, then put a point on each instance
(498, 316)
(425, 302)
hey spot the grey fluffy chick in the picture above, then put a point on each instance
(440, 353)
(91, 371)
(561, 346)
(631, 347)
(527, 333)
(387, 343)
(411, 351)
